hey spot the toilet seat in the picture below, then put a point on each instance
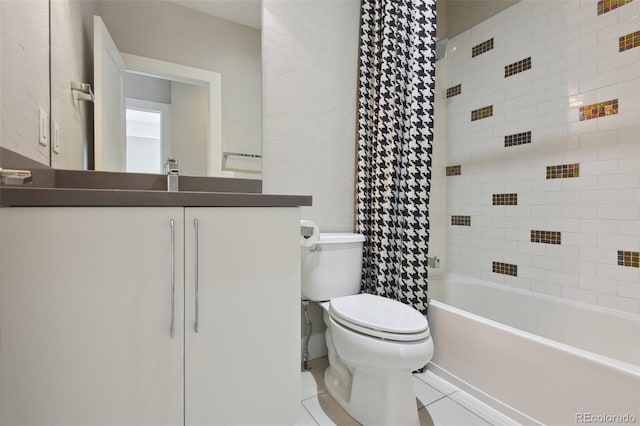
(379, 317)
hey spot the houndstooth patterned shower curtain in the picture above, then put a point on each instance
(395, 135)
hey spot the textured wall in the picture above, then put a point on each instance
(71, 60)
(564, 233)
(24, 75)
(309, 65)
(310, 58)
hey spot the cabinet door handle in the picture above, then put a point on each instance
(173, 277)
(195, 324)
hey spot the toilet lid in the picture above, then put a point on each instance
(380, 317)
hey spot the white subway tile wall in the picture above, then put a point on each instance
(438, 197)
(579, 174)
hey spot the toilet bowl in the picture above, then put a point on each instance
(377, 386)
(374, 343)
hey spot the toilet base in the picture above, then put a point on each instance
(375, 399)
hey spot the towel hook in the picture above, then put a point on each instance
(82, 92)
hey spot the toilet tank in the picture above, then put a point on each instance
(332, 267)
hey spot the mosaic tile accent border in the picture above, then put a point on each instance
(454, 170)
(483, 47)
(517, 67)
(505, 269)
(605, 6)
(505, 199)
(461, 220)
(629, 258)
(546, 237)
(454, 91)
(629, 41)
(563, 171)
(517, 139)
(601, 109)
(480, 113)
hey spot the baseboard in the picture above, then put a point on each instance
(317, 346)
(492, 402)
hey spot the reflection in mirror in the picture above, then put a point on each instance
(211, 131)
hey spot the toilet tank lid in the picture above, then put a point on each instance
(338, 238)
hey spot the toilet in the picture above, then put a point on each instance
(374, 343)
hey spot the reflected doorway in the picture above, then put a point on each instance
(148, 135)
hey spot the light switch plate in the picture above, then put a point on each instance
(55, 137)
(43, 127)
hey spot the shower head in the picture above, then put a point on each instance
(441, 48)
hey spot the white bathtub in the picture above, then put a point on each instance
(537, 358)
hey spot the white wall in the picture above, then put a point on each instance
(147, 88)
(460, 15)
(310, 59)
(72, 44)
(438, 196)
(190, 127)
(24, 75)
(575, 62)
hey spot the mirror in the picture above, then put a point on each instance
(188, 86)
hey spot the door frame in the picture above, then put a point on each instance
(199, 77)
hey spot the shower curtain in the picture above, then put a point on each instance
(395, 135)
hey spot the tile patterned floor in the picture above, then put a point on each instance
(439, 403)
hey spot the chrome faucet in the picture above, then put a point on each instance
(171, 168)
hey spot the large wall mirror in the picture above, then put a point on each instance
(134, 82)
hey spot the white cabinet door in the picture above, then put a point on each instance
(85, 310)
(243, 364)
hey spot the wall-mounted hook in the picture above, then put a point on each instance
(82, 92)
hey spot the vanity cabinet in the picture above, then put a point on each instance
(88, 296)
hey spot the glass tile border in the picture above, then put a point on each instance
(517, 67)
(517, 139)
(505, 199)
(481, 48)
(461, 220)
(629, 41)
(480, 113)
(546, 237)
(454, 170)
(601, 109)
(563, 171)
(605, 6)
(505, 268)
(454, 91)
(629, 258)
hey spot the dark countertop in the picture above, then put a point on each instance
(19, 196)
(66, 188)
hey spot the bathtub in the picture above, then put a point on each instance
(536, 358)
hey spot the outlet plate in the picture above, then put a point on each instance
(43, 127)
(55, 137)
